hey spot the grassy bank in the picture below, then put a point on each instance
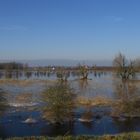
(125, 136)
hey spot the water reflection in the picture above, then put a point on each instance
(8, 74)
(28, 74)
(128, 104)
(127, 125)
(3, 101)
(83, 84)
(125, 89)
(57, 130)
(59, 103)
(63, 75)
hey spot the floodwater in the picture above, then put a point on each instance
(22, 106)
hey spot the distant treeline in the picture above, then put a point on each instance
(12, 66)
(120, 58)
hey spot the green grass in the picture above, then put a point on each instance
(125, 136)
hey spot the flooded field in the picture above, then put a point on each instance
(33, 103)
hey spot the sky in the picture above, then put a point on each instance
(69, 29)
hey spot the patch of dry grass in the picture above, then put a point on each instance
(24, 83)
(96, 101)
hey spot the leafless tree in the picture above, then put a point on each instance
(125, 69)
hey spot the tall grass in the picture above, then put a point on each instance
(125, 136)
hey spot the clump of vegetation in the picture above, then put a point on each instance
(59, 101)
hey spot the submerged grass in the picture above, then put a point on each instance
(124, 136)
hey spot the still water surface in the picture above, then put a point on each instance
(24, 102)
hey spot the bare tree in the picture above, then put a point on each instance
(125, 69)
(83, 71)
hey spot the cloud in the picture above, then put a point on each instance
(12, 28)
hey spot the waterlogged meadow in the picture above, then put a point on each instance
(54, 103)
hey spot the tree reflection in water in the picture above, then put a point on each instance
(83, 84)
(3, 101)
(125, 89)
(128, 103)
(59, 103)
